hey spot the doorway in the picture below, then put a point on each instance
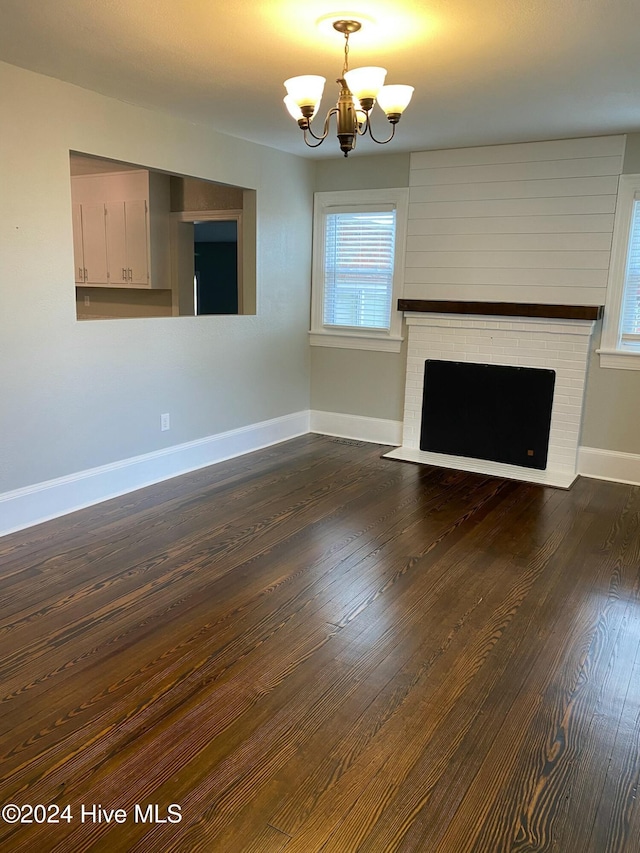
(208, 260)
(215, 250)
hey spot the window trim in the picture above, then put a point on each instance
(611, 351)
(354, 338)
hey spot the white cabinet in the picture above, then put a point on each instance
(90, 244)
(127, 243)
(114, 217)
(78, 249)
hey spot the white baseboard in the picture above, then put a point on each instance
(375, 430)
(43, 501)
(609, 465)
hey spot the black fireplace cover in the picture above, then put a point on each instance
(487, 411)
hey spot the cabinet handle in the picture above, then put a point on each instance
(80, 274)
(85, 274)
(124, 274)
(130, 274)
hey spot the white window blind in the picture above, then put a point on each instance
(358, 268)
(630, 321)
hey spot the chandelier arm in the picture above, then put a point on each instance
(311, 144)
(325, 130)
(362, 127)
(380, 141)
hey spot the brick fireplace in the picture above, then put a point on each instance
(548, 337)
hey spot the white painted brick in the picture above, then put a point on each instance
(561, 442)
(566, 409)
(573, 374)
(560, 452)
(531, 353)
(562, 336)
(567, 346)
(555, 354)
(563, 381)
(565, 434)
(564, 421)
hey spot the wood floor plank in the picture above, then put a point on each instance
(503, 783)
(314, 648)
(449, 724)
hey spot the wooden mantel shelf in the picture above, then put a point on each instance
(502, 309)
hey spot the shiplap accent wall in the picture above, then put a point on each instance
(529, 222)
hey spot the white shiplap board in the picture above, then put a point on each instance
(529, 222)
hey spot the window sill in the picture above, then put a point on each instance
(619, 359)
(362, 340)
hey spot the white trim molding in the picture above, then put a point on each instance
(344, 340)
(341, 201)
(374, 430)
(618, 359)
(609, 465)
(43, 501)
(613, 352)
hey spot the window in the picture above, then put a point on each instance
(358, 255)
(621, 330)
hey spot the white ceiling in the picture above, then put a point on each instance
(485, 71)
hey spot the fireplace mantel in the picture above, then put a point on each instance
(501, 309)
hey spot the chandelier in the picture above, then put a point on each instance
(359, 90)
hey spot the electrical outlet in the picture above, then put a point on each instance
(87, 301)
(165, 422)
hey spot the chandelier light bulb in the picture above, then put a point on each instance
(394, 100)
(294, 110)
(306, 91)
(366, 82)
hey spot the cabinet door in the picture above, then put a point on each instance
(78, 252)
(116, 244)
(94, 243)
(137, 247)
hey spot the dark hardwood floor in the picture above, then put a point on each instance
(311, 648)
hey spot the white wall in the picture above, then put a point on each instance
(529, 222)
(76, 395)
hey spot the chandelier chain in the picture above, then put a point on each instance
(345, 67)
